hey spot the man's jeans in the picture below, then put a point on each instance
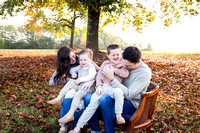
(107, 105)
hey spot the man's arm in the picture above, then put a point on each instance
(138, 82)
(135, 88)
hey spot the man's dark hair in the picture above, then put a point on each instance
(132, 54)
(111, 47)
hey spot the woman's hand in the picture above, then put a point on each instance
(74, 75)
(108, 71)
(87, 85)
(99, 90)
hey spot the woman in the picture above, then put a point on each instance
(66, 61)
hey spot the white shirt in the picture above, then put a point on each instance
(91, 72)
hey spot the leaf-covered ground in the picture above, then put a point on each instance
(24, 76)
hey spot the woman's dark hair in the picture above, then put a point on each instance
(63, 63)
(132, 54)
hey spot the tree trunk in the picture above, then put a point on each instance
(93, 29)
(72, 34)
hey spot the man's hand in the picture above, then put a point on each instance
(77, 82)
(74, 75)
(99, 90)
(108, 71)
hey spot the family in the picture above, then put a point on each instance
(111, 92)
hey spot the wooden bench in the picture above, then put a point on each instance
(143, 115)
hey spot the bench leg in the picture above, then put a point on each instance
(148, 129)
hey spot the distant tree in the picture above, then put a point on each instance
(21, 44)
(148, 48)
(139, 45)
(1, 37)
(106, 39)
(8, 35)
(1, 43)
(46, 42)
(31, 40)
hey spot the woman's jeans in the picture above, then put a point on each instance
(66, 105)
(107, 105)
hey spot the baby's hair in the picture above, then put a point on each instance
(111, 47)
(88, 51)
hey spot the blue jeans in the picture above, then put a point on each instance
(107, 105)
(66, 105)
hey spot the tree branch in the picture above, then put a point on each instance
(77, 16)
(63, 19)
(67, 26)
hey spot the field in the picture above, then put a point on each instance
(24, 76)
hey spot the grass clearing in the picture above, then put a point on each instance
(25, 74)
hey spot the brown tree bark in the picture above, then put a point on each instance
(72, 34)
(93, 28)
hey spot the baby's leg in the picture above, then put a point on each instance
(78, 96)
(70, 85)
(70, 93)
(58, 101)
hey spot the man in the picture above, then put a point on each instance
(133, 86)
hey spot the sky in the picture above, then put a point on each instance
(179, 37)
